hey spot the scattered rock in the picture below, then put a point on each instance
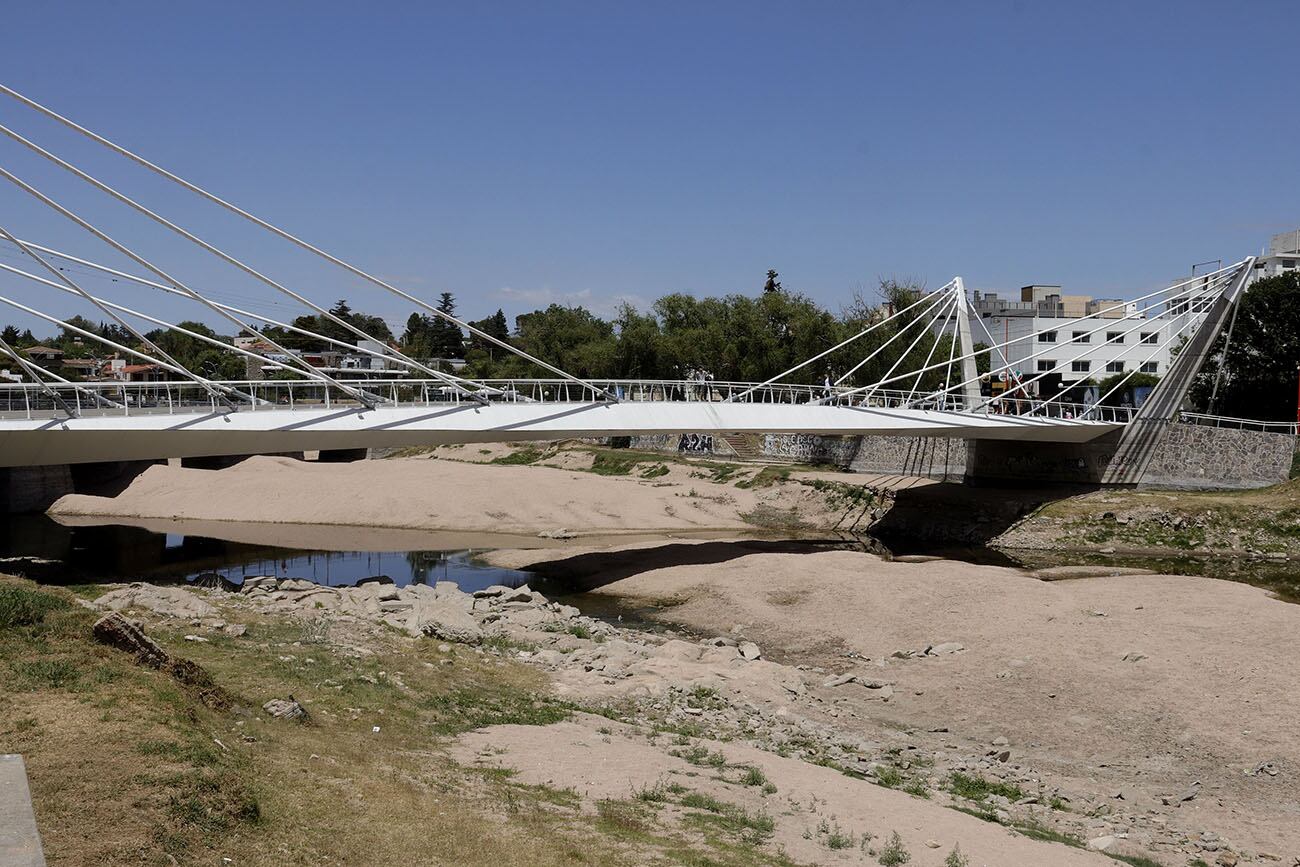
(1102, 844)
(749, 650)
(560, 533)
(1270, 769)
(1134, 656)
(175, 602)
(288, 709)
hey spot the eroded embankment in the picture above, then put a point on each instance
(1263, 523)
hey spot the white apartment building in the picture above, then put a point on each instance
(1043, 335)
(1283, 256)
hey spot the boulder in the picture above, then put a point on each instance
(749, 650)
(167, 601)
(296, 585)
(443, 619)
(290, 709)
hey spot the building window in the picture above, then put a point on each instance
(1080, 337)
(1045, 365)
(1150, 366)
(1081, 366)
(1288, 263)
(1114, 367)
(1150, 337)
(1116, 337)
(1047, 337)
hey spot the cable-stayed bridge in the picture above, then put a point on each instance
(47, 419)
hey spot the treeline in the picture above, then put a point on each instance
(735, 337)
(747, 338)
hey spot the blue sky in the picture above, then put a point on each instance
(521, 153)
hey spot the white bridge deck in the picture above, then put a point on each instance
(156, 420)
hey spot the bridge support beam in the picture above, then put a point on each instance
(966, 348)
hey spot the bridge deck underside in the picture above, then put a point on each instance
(36, 442)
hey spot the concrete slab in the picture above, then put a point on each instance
(20, 844)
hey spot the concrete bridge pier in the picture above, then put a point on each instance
(35, 489)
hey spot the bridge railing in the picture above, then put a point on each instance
(31, 400)
(1198, 418)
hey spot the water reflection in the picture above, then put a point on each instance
(42, 549)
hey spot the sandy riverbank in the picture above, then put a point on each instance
(1124, 690)
(468, 496)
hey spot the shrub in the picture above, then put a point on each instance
(894, 852)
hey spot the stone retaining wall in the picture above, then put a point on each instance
(941, 458)
(1197, 456)
(1186, 457)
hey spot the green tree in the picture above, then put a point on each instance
(446, 340)
(772, 285)
(10, 335)
(1260, 365)
(199, 356)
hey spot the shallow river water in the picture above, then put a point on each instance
(161, 551)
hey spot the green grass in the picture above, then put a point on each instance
(702, 757)
(612, 464)
(765, 478)
(701, 801)
(52, 673)
(1136, 860)
(22, 607)
(1037, 831)
(523, 456)
(975, 788)
(654, 472)
(917, 788)
(728, 817)
(469, 708)
(890, 778)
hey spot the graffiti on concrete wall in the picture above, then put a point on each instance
(696, 444)
(810, 448)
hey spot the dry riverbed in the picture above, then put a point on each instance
(785, 708)
(526, 490)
